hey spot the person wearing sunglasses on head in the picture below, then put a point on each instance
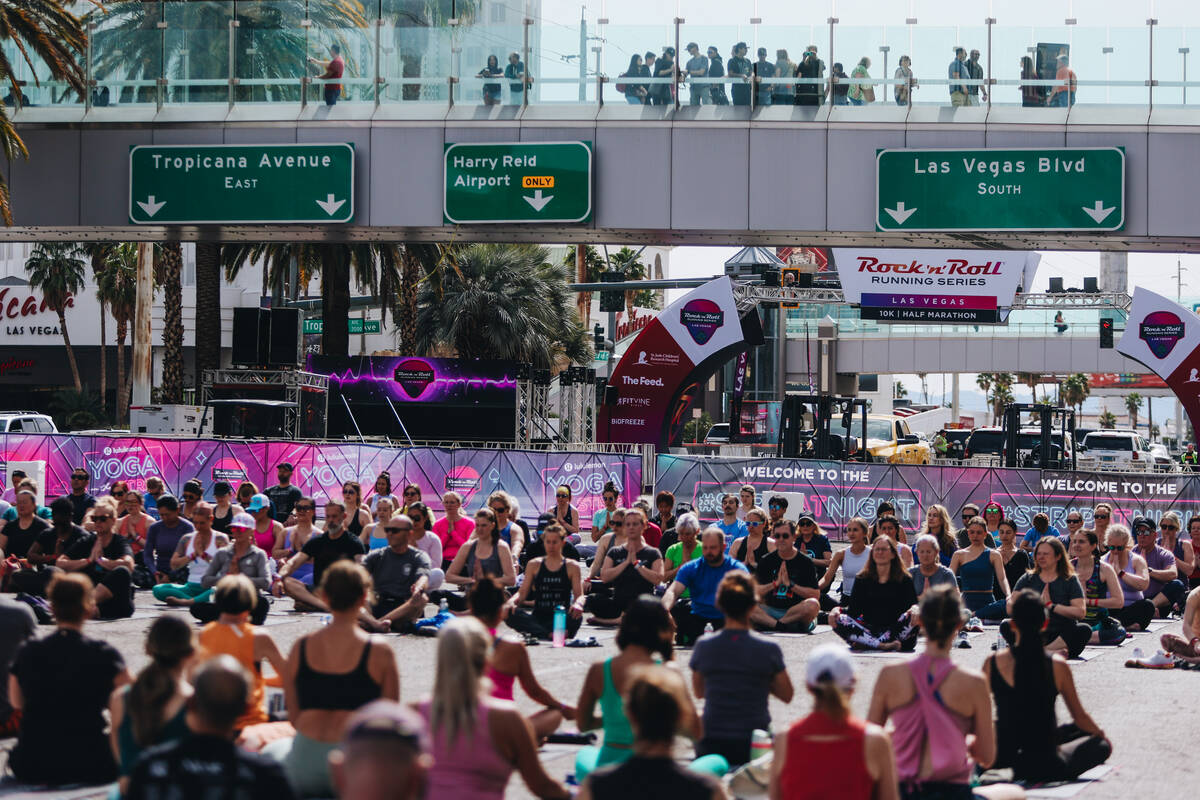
(81, 501)
(1166, 591)
(812, 541)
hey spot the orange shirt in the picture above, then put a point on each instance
(217, 638)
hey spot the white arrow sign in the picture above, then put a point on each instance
(329, 205)
(150, 207)
(1098, 212)
(537, 201)
(900, 213)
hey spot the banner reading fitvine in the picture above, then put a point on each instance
(833, 491)
(322, 469)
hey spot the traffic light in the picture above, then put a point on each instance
(612, 300)
(598, 337)
(1106, 334)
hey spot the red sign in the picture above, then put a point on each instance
(1125, 380)
(15, 307)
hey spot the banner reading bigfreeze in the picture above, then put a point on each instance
(834, 492)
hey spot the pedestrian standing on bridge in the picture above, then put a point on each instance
(739, 68)
(903, 90)
(975, 91)
(332, 71)
(763, 69)
(716, 69)
(491, 91)
(697, 67)
(514, 70)
(784, 94)
(958, 71)
(1063, 93)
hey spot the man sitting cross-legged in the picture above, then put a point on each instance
(787, 582)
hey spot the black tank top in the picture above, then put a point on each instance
(551, 589)
(341, 691)
(355, 525)
(668, 778)
(222, 523)
(1025, 728)
(759, 552)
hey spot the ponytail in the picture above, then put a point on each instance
(1031, 673)
(830, 700)
(169, 644)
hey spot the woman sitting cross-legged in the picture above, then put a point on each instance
(1025, 682)
(1101, 590)
(879, 614)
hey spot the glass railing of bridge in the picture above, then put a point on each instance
(1047, 55)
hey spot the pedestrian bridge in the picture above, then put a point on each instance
(766, 172)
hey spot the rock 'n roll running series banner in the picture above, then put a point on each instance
(1165, 337)
(321, 469)
(948, 286)
(662, 368)
(833, 491)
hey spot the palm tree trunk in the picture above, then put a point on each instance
(406, 319)
(103, 360)
(208, 308)
(335, 296)
(62, 326)
(172, 373)
(122, 387)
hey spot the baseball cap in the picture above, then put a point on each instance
(242, 520)
(258, 503)
(387, 720)
(806, 517)
(286, 465)
(1142, 522)
(830, 663)
(222, 488)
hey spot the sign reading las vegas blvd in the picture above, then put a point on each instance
(1048, 189)
(230, 184)
(517, 182)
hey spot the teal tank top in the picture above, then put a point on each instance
(173, 729)
(617, 730)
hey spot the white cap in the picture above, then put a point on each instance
(830, 662)
(242, 520)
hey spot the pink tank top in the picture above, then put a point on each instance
(502, 682)
(265, 540)
(468, 767)
(926, 725)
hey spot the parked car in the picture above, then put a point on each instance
(1123, 449)
(956, 441)
(1163, 461)
(26, 422)
(890, 440)
(983, 446)
(717, 434)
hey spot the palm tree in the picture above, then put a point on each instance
(208, 308)
(416, 260)
(1030, 379)
(924, 378)
(1133, 402)
(49, 40)
(1075, 390)
(414, 20)
(1108, 419)
(117, 286)
(374, 266)
(984, 381)
(168, 267)
(97, 253)
(271, 43)
(502, 302)
(56, 270)
(899, 390)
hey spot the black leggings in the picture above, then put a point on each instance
(541, 624)
(1139, 613)
(207, 612)
(119, 583)
(1076, 635)
(1077, 753)
(690, 626)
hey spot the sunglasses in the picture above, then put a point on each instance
(79, 477)
(397, 530)
(118, 494)
(100, 517)
(306, 508)
(1074, 522)
(969, 516)
(1100, 516)
(191, 497)
(753, 523)
(411, 492)
(500, 509)
(560, 494)
(1118, 547)
(774, 506)
(1169, 527)
(806, 524)
(783, 536)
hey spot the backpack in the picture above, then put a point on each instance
(620, 86)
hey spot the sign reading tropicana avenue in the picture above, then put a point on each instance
(235, 184)
(999, 189)
(517, 182)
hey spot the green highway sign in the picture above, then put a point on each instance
(234, 184)
(356, 325)
(601, 355)
(517, 182)
(1000, 189)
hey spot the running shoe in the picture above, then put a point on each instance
(973, 625)
(963, 643)
(1159, 660)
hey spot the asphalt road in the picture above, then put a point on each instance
(1147, 714)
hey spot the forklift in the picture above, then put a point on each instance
(1046, 453)
(823, 440)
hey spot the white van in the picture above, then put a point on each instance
(1120, 449)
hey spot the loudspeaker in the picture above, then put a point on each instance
(1091, 285)
(251, 336)
(610, 395)
(284, 347)
(1056, 286)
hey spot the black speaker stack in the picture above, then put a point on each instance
(266, 337)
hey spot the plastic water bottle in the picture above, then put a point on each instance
(761, 743)
(560, 626)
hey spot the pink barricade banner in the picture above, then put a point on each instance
(321, 469)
